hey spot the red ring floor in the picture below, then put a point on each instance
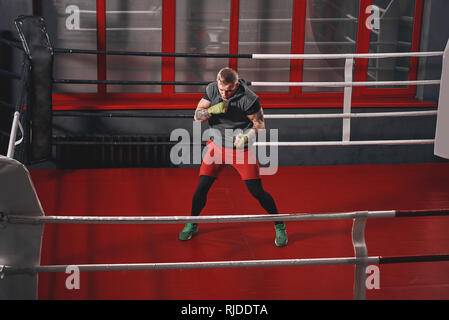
(310, 189)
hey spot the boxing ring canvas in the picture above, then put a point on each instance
(314, 189)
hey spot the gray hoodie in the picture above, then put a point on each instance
(242, 103)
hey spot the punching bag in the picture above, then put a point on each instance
(37, 46)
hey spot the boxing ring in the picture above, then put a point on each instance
(22, 217)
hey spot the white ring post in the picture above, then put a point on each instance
(346, 135)
(12, 137)
(442, 130)
(361, 254)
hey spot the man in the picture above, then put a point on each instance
(235, 114)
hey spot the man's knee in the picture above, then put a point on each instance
(203, 186)
(255, 188)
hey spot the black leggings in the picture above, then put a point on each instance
(254, 187)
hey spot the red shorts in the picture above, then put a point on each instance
(243, 160)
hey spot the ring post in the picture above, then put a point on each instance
(346, 135)
(442, 130)
(12, 137)
(20, 245)
(361, 254)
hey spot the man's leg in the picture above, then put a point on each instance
(200, 196)
(266, 201)
(198, 202)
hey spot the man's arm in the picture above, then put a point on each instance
(204, 110)
(201, 112)
(258, 125)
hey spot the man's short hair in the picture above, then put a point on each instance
(227, 76)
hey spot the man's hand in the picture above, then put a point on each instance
(218, 108)
(248, 138)
(241, 140)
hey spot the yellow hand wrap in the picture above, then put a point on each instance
(243, 140)
(218, 108)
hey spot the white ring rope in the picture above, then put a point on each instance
(11, 218)
(345, 143)
(347, 97)
(348, 55)
(352, 115)
(192, 265)
(361, 260)
(346, 84)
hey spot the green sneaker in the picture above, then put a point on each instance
(281, 235)
(188, 232)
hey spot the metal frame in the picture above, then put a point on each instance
(12, 138)
(361, 259)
